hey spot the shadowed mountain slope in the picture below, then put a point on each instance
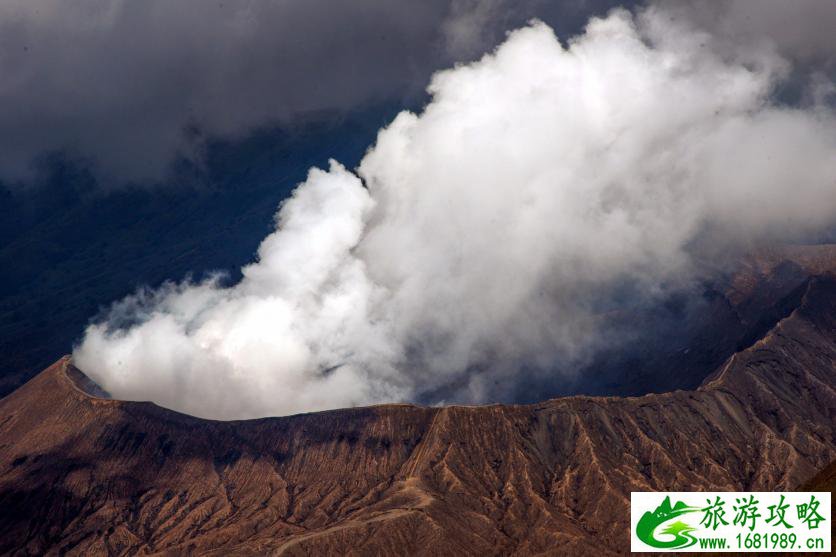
(86, 475)
(675, 342)
(825, 480)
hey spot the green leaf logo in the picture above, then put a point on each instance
(681, 532)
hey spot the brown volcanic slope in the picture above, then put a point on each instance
(825, 480)
(90, 476)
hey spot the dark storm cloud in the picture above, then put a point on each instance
(128, 86)
(801, 30)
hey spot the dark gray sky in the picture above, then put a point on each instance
(129, 86)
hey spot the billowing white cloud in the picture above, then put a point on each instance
(489, 232)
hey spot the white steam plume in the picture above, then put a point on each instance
(489, 230)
